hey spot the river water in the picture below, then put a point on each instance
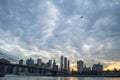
(54, 78)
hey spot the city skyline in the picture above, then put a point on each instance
(85, 30)
(63, 65)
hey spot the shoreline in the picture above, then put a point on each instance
(113, 76)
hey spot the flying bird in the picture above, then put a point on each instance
(81, 17)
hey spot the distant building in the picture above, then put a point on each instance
(65, 64)
(54, 63)
(39, 62)
(4, 60)
(43, 65)
(97, 67)
(21, 62)
(68, 66)
(61, 63)
(50, 63)
(55, 68)
(30, 62)
(20, 69)
(80, 66)
(4, 69)
(86, 68)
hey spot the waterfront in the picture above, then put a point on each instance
(55, 78)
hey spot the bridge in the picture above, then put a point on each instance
(54, 72)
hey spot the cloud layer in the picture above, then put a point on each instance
(50, 28)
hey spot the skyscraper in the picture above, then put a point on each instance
(3, 68)
(65, 63)
(80, 65)
(97, 67)
(50, 63)
(21, 62)
(20, 69)
(68, 65)
(55, 68)
(61, 63)
(30, 62)
(39, 62)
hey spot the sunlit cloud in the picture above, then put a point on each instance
(48, 29)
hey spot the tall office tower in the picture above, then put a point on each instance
(55, 68)
(21, 62)
(97, 67)
(80, 65)
(65, 63)
(54, 63)
(30, 62)
(61, 63)
(20, 69)
(39, 62)
(50, 63)
(68, 65)
(3, 68)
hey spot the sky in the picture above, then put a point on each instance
(47, 29)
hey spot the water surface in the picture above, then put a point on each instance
(54, 78)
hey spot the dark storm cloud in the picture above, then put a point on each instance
(52, 28)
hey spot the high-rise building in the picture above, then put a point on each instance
(97, 67)
(61, 63)
(4, 69)
(50, 63)
(68, 65)
(21, 62)
(80, 65)
(20, 69)
(65, 63)
(54, 63)
(39, 62)
(55, 68)
(30, 62)
(86, 68)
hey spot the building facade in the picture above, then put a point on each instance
(61, 63)
(80, 66)
(39, 62)
(68, 66)
(65, 64)
(97, 67)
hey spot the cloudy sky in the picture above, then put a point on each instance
(47, 29)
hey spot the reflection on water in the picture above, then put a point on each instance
(55, 78)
